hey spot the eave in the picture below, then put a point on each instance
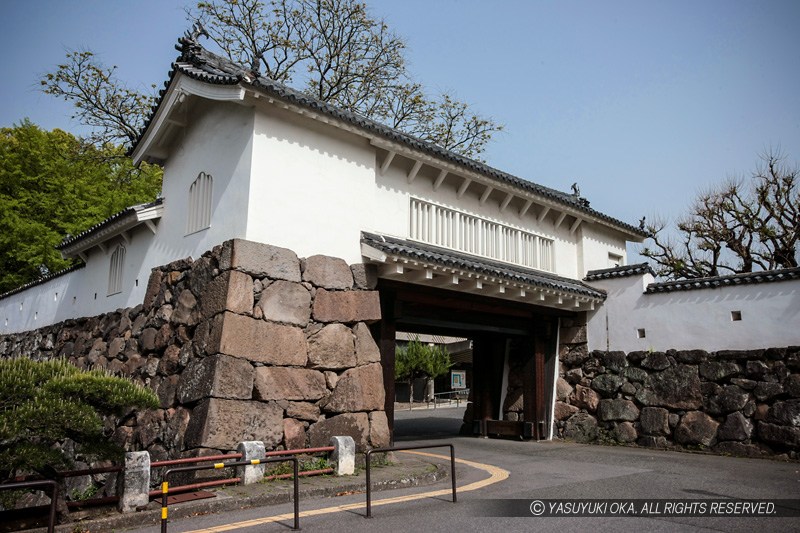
(119, 225)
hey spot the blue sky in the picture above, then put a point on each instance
(643, 103)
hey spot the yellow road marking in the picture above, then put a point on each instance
(495, 476)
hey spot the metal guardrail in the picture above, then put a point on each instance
(51, 523)
(369, 453)
(458, 394)
(216, 466)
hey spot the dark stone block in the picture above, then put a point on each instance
(739, 355)
(607, 384)
(717, 371)
(615, 361)
(677, 387)
(656, 361)
(692, 357)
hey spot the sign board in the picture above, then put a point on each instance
(458, 379)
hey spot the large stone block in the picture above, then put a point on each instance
(617, 410)
(624, 432)
(716, 371)
(332, 347)
(294, 434)
(286, 302)
(358, 389)
(365, 276)
(153, 288)
(258, 341)
(572, 335)
(347, 306)
(379, 435)
(736, 427)
(677, 387)
(220, 376)
(581, 427)
(615, 361)
(260, 260)
(327, 272)
(563, 389)
(366, 349)
(656, 361)
(654, 421)
(562, 411)
(355, 425)
(283, 383)
(696, 428)
(782, 435)
(303, 411)
(222, 424)
(785, 413)
(187, 311)
(230, 291)
(607, 384)
(586, 398)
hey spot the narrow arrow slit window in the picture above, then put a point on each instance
(200, 195)
(115, 270)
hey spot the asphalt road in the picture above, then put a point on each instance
(542, 471)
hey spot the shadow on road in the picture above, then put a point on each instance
(427, 424)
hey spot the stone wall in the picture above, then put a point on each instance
(728, 402)
(248, 342)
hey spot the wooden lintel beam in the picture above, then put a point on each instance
(543, 213)
(506, 201)
(486, 193)
(387, 161)
(525, 208)
(560, 219)
(414, 171)
(464, 186)
(575, 225)
(439, 179)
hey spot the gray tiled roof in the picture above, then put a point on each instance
(198, 63)
(110, 220)
(43, 279)
(619, 272)
(767, 276)
(449, 258)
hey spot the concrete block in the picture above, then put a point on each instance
(135, 481)
(251, 449)
(343, 456)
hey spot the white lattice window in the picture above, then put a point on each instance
(200, 195)
(448, 228)
(115, 270)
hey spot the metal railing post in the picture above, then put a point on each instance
(51, 519)
(253, 462)
(368, 458)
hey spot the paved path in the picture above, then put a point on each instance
(546, 470)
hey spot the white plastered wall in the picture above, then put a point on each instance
(695, 319)
(217, 141)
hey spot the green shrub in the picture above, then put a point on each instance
(43, 403)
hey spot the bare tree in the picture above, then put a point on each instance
(331, 49)
(739, 226)
(114, 112)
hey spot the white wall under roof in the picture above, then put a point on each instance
(292, 181)
(695, 319)
(216, 141)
